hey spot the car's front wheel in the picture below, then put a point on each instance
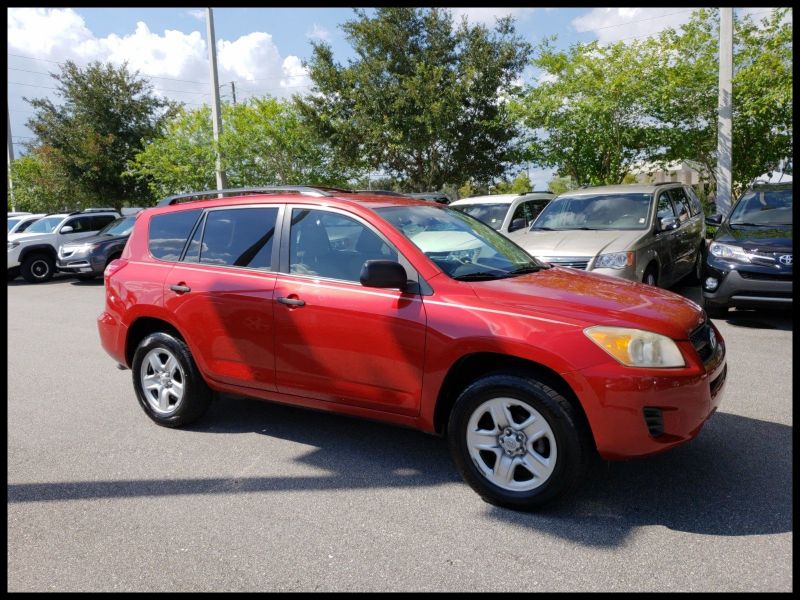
(517, 442)
(38, 268)
(168, 384)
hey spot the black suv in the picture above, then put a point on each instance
(749, 262)
(88, 257)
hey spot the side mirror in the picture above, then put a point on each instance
(383, 274)
(67, 229)
(714, 220)
(668, 223)
(516, 224)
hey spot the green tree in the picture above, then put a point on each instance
(559, 185)
(106, 116)
(420, 102)
(42, 185)
(519, 185)
(264, 142)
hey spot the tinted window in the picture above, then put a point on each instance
(168, 233)
(535, 207)
(332, 245)
(240, 237)
(101, 221)
(665, 208)
(80, 224)
(681, 203)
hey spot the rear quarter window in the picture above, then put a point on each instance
(168, 233)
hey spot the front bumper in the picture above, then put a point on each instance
(81, 264)
(620, 402)
(13, 257)
(747, 288)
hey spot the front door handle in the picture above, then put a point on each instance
(292, 301)
(181, 289)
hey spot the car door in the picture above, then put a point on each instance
(665, 243)
(81, 228)
(221, 294)
(336, 340)
(688, 233)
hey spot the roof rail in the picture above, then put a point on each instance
(665, 182)
(273, 189)
(93, 210)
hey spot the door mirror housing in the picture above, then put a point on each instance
(384, 274)
(668, 223)
(517, 224)
(714, 220)
(67, 229)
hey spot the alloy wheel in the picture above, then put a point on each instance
(163, 381)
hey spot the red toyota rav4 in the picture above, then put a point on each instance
(409, 312)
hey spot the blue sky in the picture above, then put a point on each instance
(261, 49)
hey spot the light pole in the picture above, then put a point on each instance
(725, 108)
(216, 118)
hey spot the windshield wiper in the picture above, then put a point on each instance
(543, 228)
(480, 276)
(526, 269)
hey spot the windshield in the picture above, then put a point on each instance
(12, 222)
(45, 225)
(763, 207)
(491, 214)
(600, 211)
(461, 246)
(121, 226)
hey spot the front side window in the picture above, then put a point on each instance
(491, 214)
(764, 207)
(80, 224)
(460, 245)
(239, 237)
(101, 221)
(332, 245)
(45, 225)
(121, 226)
(596, 211)
(168, 233)
(665, 208)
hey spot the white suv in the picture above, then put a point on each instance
(505, 212)
(33, 253)
(19, 222)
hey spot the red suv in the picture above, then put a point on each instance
(409, 312)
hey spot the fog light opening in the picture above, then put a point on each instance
(711, 283)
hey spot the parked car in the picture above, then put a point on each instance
(21, 222)
(505, 212)
(649, 233)
(34, 252)
(89, 257)
(439, 197)
(749, 261)
(337, 302)
(17, 213)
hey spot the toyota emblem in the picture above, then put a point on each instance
(786, 259)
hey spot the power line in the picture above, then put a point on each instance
(639, 21)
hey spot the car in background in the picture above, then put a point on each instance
(17, 213)
(21, 222)
(652, 233)
(749, 261)
(367, 305)
(33, 254)
(505, 212)
(89, 257)
(439, 197)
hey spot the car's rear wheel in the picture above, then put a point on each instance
(168, 384)
(651, 276)
(716, 311)
(517, 442)
(38, 268)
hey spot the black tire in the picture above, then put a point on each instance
(13, 273)
(650, 276)
(573, 447)
(38, 268)
(696, 276)
(196, 396)
(87, 277)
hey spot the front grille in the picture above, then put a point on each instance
(575, 262)
(654, 420)
(766, 276)
(702, 341)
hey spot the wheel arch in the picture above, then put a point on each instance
(38, 249)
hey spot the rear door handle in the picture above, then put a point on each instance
(292, 301)
(181, 289)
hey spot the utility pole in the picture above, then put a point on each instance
(10, 160)
(233, 92)
(725, 109)
(216, 117)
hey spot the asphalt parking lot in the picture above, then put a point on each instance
(259, 496)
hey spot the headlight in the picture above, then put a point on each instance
(12, 245)
(636, 348)
(729, 252)
(617, 260)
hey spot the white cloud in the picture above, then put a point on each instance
(200, 15)
(319, 33)
(488, 16)
(615, 24)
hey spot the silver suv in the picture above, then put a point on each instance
(649, 233)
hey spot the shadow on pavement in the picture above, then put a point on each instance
(734, 480)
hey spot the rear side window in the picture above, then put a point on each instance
(80, 224)
(681, 203)
(101, 221)
(241, 237)
(697, 206)
(168, 233)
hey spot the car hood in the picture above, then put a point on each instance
(595, 299)
(30, 237)
(98, 238)
(762, 239)
(577, 242)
